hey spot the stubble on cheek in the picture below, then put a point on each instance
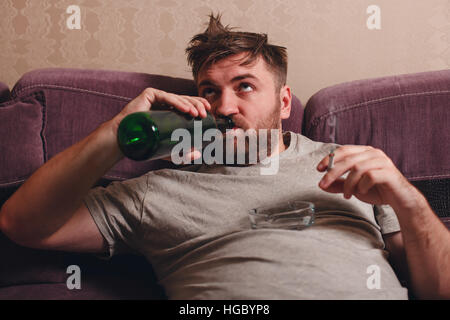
(240, 140)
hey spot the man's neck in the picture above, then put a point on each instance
(283, 143)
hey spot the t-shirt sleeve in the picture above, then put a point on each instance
(117, 211)
(386, 219)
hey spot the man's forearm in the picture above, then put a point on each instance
(54, 192)
(427, 245)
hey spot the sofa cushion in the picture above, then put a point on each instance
(38, 274)
(100, 278)
(22, 125)
(20, 265)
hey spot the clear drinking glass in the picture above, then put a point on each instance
(294, 215)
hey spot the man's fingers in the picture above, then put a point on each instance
(191, 156)
(372, 176)
(350, 183)
(370, 179)
(195, 106)
(342, 164)
(341, 152)
(353, 180)
(198, 104)
(159, 96)
(323, 164)
(184, 105)
(337, 186)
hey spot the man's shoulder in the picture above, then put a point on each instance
(301, 145)
(172, 172)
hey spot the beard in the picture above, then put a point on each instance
(245, 145)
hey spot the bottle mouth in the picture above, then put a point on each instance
(223, 123)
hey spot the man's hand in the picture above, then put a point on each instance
(373, 177)
(195, 106)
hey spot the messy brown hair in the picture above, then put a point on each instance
(218, 42)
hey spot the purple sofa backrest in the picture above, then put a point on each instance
(77, 101)
(406, 116)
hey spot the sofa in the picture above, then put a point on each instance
(48, 110)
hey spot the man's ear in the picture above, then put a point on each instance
(285, 102)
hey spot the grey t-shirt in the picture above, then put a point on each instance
(192, 225)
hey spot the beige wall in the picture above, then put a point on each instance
(328, 40)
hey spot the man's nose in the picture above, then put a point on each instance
(226, 105)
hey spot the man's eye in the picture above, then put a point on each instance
(208, 93)
(246, 87)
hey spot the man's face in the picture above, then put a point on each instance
(246, 93)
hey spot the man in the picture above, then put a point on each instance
(192, 223)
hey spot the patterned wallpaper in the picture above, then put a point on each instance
(329, 41)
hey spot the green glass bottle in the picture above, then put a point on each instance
(147, 135)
